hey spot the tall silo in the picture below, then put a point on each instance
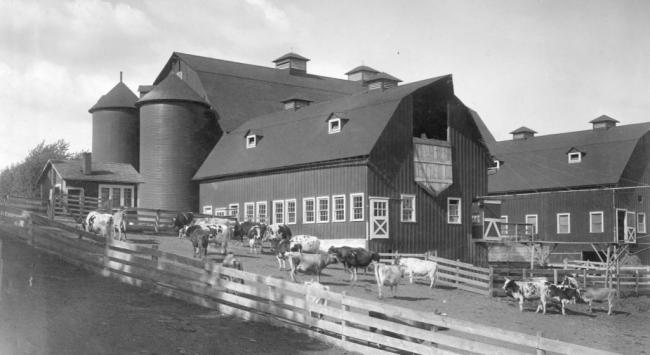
(177, 132)
(116, 127)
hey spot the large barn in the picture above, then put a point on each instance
(585, 190)
(363, 161)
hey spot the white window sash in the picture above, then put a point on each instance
(278, 211)
(641, 222)
(320, 217)
(535, 218)
(353, 209)
(559, 216)
(305, 210)
(591, 222)
(403, 199)
(458, 203)
(290, 217)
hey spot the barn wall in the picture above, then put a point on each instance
(295, 185)
(394, 175)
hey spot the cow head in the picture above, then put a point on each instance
(570, 281)
(510, 286)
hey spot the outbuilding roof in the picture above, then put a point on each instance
(120, 96)
(100, 171)
(240, 91)
(172, 88)
(540, 163)
(298, 138)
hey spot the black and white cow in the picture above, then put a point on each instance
(524, 290)
(182, 221)
(98, 222)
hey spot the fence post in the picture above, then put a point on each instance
(156, 225)
(584, 278)
(555, 276)
(50, 211)
(636, 282)
(154, 255)
(523, 274)
(457, 271)
(346, 308)
(538, 349)
(30, 229)
(491, 282)
(107, 248)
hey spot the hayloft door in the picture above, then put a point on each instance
(378, 218)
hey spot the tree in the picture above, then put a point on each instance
(22, 179)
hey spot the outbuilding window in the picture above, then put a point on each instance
(207, 210)
(233, 208)
(532, 220)
(640, 222)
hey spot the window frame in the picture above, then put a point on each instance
(638, 223)
(305, 220)
(318, 209)
(287, 214)
(246, 215)
(257, 211)
(557, 222)
(334, 209)
(122, 188)
(536, 225)
(460, 212)
(282, 212)
(352, 207)
(233, 209)
(403, 198)
(576, 160)
(602, 221)
(330, 124)
(206, 208)
(506, 227)
(251, 141)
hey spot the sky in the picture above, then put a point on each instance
(549, 65)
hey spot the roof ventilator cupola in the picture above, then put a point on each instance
(361, 73)
(381, 81)
(522, 132)
(296, 101)
(296, 63)
(603, 122)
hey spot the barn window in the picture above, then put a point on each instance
(291, 211)
(261, 212)
(563, 223)
(338, 206)
(251, 141)
(640, 222)
(308, 210)
(575, 157)
(323, 209)
(532, 220)
(356, 207)
(207, 210)
(596, 222)
(249, 210)
(407, 208)
(278, 211)
(504, 226)
(453, 210)
(334, 125)
(233, 208)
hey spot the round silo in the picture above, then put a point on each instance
(116, 127)
(177, 131)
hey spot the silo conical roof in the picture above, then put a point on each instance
(120, 96)
(172, 88)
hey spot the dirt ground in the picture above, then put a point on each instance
(51, 307)
(626, 331)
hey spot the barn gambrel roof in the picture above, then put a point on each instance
(239, 91)
(299, 138)
(540, 163)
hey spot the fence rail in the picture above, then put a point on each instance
(352, 323)
(18, 204)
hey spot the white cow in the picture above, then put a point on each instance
(97, 222)
(417, 267)
(308, 243)
(119, 224)
(387, 275)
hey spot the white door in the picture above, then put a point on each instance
(378, 218)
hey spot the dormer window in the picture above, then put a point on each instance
(575, 157)
(251, 141)
(334, 125)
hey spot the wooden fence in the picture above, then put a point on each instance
(455, 274)
(16, 205)
(352, 323)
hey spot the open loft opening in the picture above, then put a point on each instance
(430, 114)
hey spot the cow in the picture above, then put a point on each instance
(119, 224)
(278, 231)
(558, 293)
(245, 229)
(354, 258)
(199, 238)
(598, 294)
(97, 222)
(308, 243)
(181, 222)
(388, 275)
(309, 262)
(281, 248)
(417, 267)
(524, 290)
(219, 230)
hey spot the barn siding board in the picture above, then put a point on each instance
(295, 185)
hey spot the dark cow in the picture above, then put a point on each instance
(182, 220)
(199, 238)
(354, 258)
(277, 230)
(247, 229)
(560, 294)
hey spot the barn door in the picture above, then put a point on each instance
(630, 227)
(378, 218)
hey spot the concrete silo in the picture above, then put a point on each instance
(177, 131)
(116, 127)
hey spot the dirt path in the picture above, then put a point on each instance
(50, 307)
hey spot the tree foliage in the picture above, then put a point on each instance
(22, 179)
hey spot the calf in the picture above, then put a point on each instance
(310, 262)
(388, 275)
(354, 258)
(598, 294)
(561, 294)
(416, 267)
(97, 222)
(199, 238)
(281, 248)
(119, 224)
(308, 243)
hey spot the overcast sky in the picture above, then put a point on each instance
(549, 65)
